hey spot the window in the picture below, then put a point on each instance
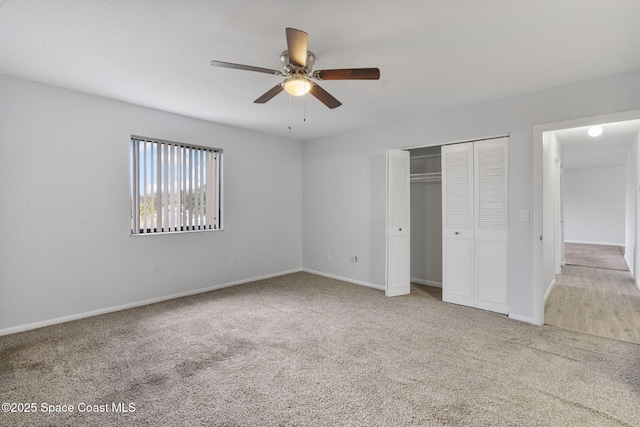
(175, 187)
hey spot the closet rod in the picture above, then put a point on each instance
(426, 156)
(426, 177)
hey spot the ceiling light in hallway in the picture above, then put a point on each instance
(595, 131)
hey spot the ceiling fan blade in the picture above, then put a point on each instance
(297, 47)
(348, 74)
(245, 67)
(325, 97)
(269, 94)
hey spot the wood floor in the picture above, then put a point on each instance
(595, 301)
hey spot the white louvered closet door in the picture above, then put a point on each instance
(457, 224)
(474, 209)
(490, 195)
(398, 222)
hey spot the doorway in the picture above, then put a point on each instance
(565, 159)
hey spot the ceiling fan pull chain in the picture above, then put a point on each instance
(289, 112)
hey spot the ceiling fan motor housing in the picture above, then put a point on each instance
(291, 69)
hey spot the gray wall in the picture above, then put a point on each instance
(66, 248)
(594, 201)
(344, 178)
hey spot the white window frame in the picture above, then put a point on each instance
(179, 170)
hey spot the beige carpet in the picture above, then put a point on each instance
(596, 256)
(303, 350)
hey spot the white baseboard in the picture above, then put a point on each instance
(36, 325)
(344, 279)
(426, 282)
(546, 295)
(628, 258)
(525, 319)
(584, 242)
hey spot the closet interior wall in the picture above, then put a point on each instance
(426, 216)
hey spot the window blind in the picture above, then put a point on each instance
(175, 187)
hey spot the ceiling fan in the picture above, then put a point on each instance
(297, 64)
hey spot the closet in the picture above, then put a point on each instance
(474, 224)
(426, 216)
(447, 221)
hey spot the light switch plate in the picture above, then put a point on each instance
(524, 216)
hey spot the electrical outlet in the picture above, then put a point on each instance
(230, 262)
(524, 216)
(328, 256)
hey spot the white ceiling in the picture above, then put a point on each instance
(611, 148)
(433, 55)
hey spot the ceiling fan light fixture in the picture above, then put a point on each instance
(297, 86)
